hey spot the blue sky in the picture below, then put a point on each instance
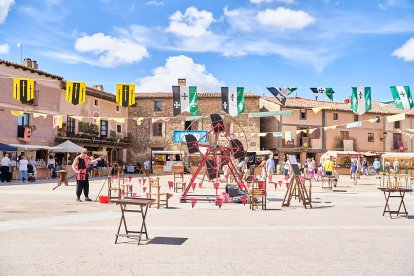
(213, 43)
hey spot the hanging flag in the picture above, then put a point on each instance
(324, 90)
(139, 121)
(125, 94)
(288, 136)
(395, 118)
(57, 121)
(277, 134)
(373, 120)
(361, 100)
(185, 99)
(232, 100)
(278, 94)
(329, 127)
(353, 125)
(385, 103)
(43, 115)
(23, 89)
(262, 134)
(75, 92)
(401, 146)
(286, 90)
(402, 97)
(270, 114)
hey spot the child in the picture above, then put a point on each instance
(320, 172)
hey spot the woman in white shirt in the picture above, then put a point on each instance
(23, 168)
(51, 165)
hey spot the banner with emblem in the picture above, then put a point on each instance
(75, 92)
(185, 98)
(125, 94)
(23, 89)
(232, 100)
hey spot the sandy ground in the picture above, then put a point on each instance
(45, 232)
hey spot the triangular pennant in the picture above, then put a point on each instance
(216, 186)
(328, 91)
(193, 202)
(278, 94)
(193, 186)
(75, 92)
(17, 113)
(36, 115)
(200, 185)
(243, 199)
(125, 94)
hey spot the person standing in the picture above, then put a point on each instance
(147, 167)
(270, 166)
(23, 168)
(329, 166)
(51, 166)
(365, 167)
(80, 166)
(396, 166)
(5, 168)
(101, 166)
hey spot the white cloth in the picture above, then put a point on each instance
(23, 165)
(5, 161)
(146, 165)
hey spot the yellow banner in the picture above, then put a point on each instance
(75, 92)
(17, 113)
(23, 89)
(36, 115)
(125, 94)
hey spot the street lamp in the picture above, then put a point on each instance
(384, 135)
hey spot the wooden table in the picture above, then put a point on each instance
(400, 194)
(143, 208)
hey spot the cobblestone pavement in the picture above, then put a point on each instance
(45, 232)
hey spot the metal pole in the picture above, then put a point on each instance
(21, 54)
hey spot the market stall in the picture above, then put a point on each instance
(167, 162)
(405, 159)
(342, 159)
(30, 152)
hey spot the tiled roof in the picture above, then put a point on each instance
(200, 95)
(296, 102)
(16, 65)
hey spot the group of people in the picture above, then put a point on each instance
(25, 166)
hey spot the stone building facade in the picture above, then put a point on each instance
(155, 130)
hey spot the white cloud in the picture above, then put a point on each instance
(155, 3)
(5, 6)
(191, 23)
(179, 67)
(240, 19)
(406, 52)
(112, 51)
(270, 1)
(67, 57)
(4, 49)
(283, 18)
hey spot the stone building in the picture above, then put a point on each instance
(380, 136)
(155, 130)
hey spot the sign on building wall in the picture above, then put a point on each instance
(348, 145)
(179, 135)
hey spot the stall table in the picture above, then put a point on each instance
(143, 208)
(400, 194)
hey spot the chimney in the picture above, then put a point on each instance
(98, 87)
(182, 82)
(27, 62)
(347, 100)
(34, 64)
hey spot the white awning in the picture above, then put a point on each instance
(398, 155)
(33, 147)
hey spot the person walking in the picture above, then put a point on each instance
(365, 167)
(354, 171)
(23, 168)
(377, 166)
(80, 166)
(5, 168)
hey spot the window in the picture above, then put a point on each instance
(302, 114)
(21, 123)
(335, 116)
(397, 124)
(396, 138)
(119, 128)
(344, 135)
(187, 125)
(96, 103)
(157, 105)
(117, 108)
(104, 129)
(157, 129)
(70, 127)
(370, 137)
(356, 118)
(378, 119)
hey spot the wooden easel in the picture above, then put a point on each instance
(298, 190)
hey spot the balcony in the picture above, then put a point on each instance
(91, 136)
(299, 143)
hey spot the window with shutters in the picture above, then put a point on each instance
(335, 116)
(21, 123)
(370, 137)
(157, 129)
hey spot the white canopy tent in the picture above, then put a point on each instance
(334, 153)
(22, 147)
(68, 147)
